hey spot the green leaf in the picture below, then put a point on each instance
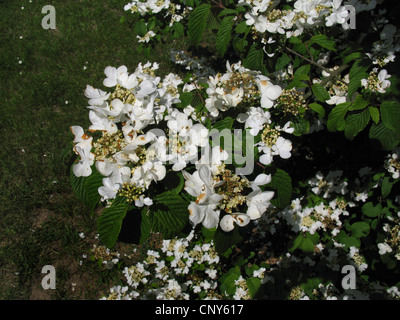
(390, 113)
(282, 62)
(224, 35)
(254, 59)
(318, 109)
(198, 23)
(343, 238)
(386, 186)
(370, 210)
(86, 188)
(242, 27)
(225, 123)
(110, 222)
(301, 126)
(324, 42)
(169, 214)
(303, 70)
(352, 56)
(336, 117)
(320, 92)
(360, 229)
(355, 123)
(186, 99)
(282, 183)
(375, 115)
(179, 30)
(145, 226)
(254, 285)
(141, 28)
(357, 72)
(388, 138)
(226, 12)
(227, 281)
(359, 103)
(225, 240)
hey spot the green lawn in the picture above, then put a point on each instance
(43, 77)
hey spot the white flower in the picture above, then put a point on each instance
(101, 123)
(109, 189)
(96, 96)
(227, 221)
(282, 147)
(258, 202)
(269, 91)
(204, 209)
(83, 147)
(113, 74)
(255, 119)
(384, 248)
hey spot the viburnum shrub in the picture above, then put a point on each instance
(283, 161)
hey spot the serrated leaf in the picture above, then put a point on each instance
(169, 214)
(320, 92)
(318, 109)
(226, 12)
(224, 35)
(388, 138)
(301, 126)
(198, 22)
(359, 103)
(355, 123)
(303, 70)
(352, 56)
(110, 222)
(375, 115)
(225, 123)
(186, 99)
(324, 42)
(390, 113)
(357, 72)
(225, 240)
(282, 62)
(282, 183)
(254, 59)
(86, 188)
(336, 117)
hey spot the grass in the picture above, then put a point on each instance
(43, 76)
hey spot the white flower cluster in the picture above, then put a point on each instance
(217, 188)
(326, 217)
(244, 89)
(181, 269)
(326, 185)
(131, 150)
(129, 158)
(384, 50)
(377, 81)
(168, 8)
(392, 163)
(391, 245)
(264, 16)
(199, 67)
